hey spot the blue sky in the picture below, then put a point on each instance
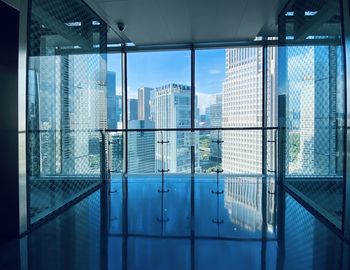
(154, 69)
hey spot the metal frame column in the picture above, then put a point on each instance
(125, 108)
(346, 44)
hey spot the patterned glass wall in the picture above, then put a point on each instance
(67, 73)
(311, 93)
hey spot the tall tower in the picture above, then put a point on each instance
(312, 72)
(141, 150)
(132, 109)
(144, 95)
(215, 116)
(111, 101)
(242, 107)
(172, 105)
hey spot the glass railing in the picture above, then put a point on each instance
(185, 150)
(224, 153)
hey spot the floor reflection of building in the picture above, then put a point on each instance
(243, 202)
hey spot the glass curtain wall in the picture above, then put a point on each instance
(311, 79)
(159, 97)
(66, 107)
(229, 94)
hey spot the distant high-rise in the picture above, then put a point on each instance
(141, 148)
(215, 112)
(317, 86)
(215, 116)
(242, 107)
(111, 101)
(172, 106)
(119, 108)
(144, 95)
(69, 103)
(132, 109)
(116, 152)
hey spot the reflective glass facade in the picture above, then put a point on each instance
(66, 102)
(311, 77)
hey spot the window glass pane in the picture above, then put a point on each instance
(229, 95)
(114, 91)
(159, 89)
(159, 96)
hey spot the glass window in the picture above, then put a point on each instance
(229, 95)
(114, 91)
(159, 96)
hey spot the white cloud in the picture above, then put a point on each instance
(204, 101)
(214, 71)
(132, 93)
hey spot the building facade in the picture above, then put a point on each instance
(242, 107)
(144, 96)
(172, 107)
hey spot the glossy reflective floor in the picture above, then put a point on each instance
(242, 223)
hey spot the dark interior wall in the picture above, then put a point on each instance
(9, 203)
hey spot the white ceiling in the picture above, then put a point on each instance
(156, 22)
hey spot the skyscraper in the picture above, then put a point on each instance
(132, 109)
(70, 104)
(119, 108)
(313, 75)
(215, 116)
(173, 110)
(242, 107)
(141, 150)
(144, 95)
(111, 101)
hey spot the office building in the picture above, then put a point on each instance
(215, 116)
(132, 109)
(173, 110)
(141, 157)
(144, 98)
(111, 101)
(242, 107)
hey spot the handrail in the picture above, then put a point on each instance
(192, 129)
(154, 129)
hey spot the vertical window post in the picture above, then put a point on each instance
(346, 180)
(125, 108)
(193, 108)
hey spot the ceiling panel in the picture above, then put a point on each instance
(155, 22)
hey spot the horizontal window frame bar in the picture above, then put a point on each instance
(192, 129)
(189, 46)
(155, 129)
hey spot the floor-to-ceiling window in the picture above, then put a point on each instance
(159, 97)
(229, 93)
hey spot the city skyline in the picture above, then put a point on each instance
(236, 102)
(209, 75)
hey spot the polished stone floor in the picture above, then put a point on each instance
(242, 223)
